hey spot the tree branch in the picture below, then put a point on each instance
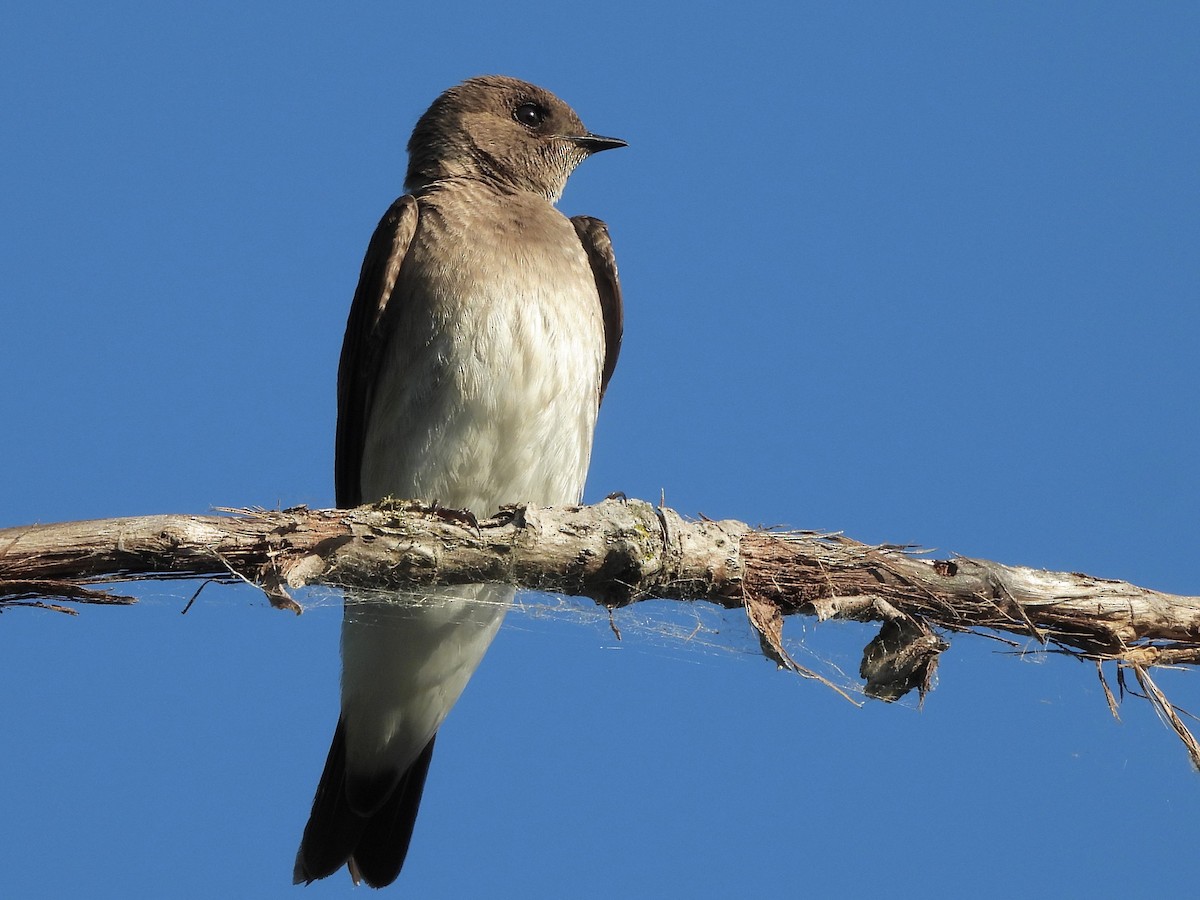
(619, 552)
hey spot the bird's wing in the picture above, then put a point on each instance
(363, 348)
(593, 234)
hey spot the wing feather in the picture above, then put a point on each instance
(593, 234)
(365, 342)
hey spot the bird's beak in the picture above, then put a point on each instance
(594, 143)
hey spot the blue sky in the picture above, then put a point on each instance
(922, 273)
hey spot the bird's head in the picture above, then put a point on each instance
(513, 133)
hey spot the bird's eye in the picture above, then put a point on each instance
(530, 114)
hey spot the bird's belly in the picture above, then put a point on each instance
(498, 409)
(406, 658)
(509, 419)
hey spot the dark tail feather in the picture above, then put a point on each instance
(333, 828)
(372, 846)
(381, 849)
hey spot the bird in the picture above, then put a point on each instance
(480, 342)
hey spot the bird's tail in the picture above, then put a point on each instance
(372, 846)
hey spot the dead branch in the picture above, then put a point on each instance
(619, 552)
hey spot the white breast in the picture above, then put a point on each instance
(490, 390)
(488, 395)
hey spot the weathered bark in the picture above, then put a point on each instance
(618, 552)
